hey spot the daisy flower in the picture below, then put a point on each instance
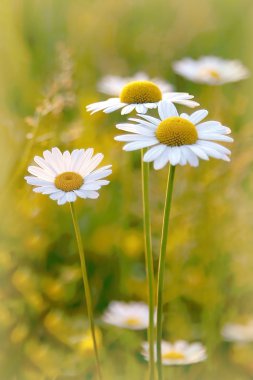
(211, 70)
(132, 315)
(112, 84)
(233, 332)
(175, 139)
(66, 176)
(140, 95)
(178, 353)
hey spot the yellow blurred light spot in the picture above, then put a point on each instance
(36, 300)
(86, 343)
(140, 92)
(102, 240)
(19, 333)
(54, 289)
(53, 320)
(176, 131)
(22, 279)
(132, 244)
(6, 318)
(6, 260)
(173, 355)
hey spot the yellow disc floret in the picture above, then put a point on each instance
(140, 92)
(212, 73)
(176, 131)
(68, 181)
(173, 355)
(133, 322)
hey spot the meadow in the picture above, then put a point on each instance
(53, 53)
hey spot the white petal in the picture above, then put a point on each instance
(113, 108)
(175, 155)
(97, 175)
(83, 159)
(166, 109)
(46, 189)
(70, 196)
(197, 116)
(153, 153)
(213, 145)
(144, 123)
(91, 186)
(62, 200)
(37, 181)
(198, 151)
(91, 194)
(45, 165)
(58, 160)
(163, 159)
(127, 109)
(214, 136)
(133, 137)
(188, 103)
(190, 156)
(40, 173)
(94, 162)
(140, 108)
(135, 128)
(151, 119)
(139, 144)
(56, 196)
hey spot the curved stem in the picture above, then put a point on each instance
(161, 268)
(149, 263)
(86, 286)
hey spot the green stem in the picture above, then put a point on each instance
(161, 268)
(149, 263)
(86, 285)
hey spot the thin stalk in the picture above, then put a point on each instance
(149, 263)
(161, 268)
(86, 286)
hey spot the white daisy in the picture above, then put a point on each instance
(140, 96)
(66, 176)
(178, 353)
(112, 84)
(233, 332)
(174, 138)
(131, 315)
(211, 70)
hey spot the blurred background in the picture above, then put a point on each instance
(52, 55)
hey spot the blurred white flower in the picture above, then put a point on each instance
(233, 332)
(178, 353)
(113, 84)
(66, 176)
(178, 139)
(140, 95)
(131, 315)
(211, 70)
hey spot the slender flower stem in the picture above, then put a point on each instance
(149, 263)
(161, 268)
(86, 286)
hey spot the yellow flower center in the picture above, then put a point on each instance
(173, 355)
(68, 181)
(176, 131)
(212, 73)
(133, 322)
(140, 92)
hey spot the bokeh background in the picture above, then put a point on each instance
(52, 55)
